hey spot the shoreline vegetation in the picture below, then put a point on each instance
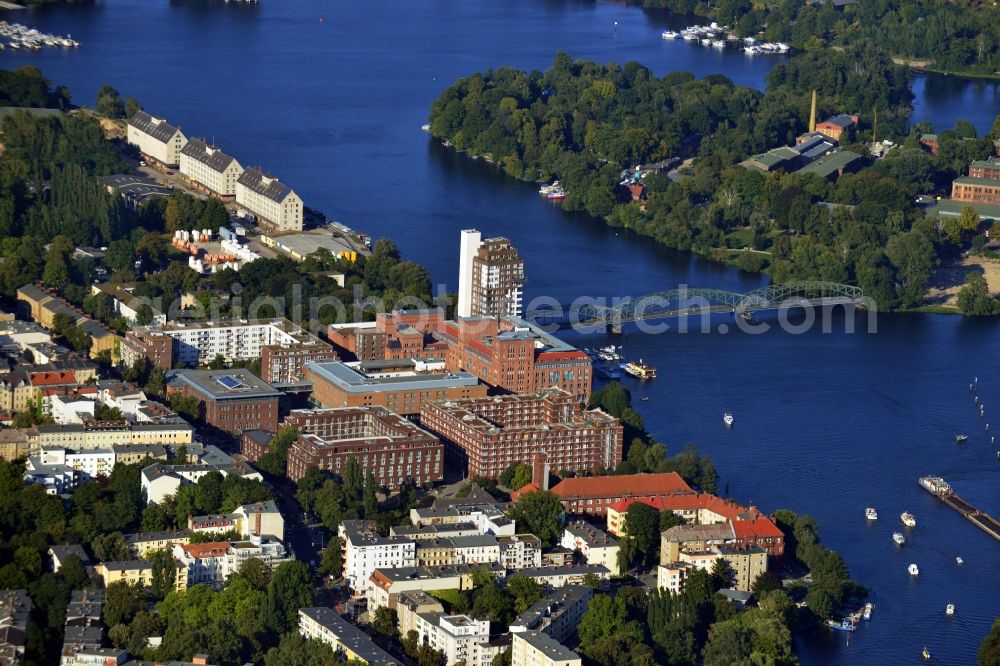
(960, 39)
(591, 125)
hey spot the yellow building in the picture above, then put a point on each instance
(137, 572)
(14, 444)
(44, 306)
(141, 545)
(17, 393)
(534, 648)
(746, 563)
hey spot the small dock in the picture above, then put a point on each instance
(980, 519)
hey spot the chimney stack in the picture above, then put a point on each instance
(540, 471)
(812, 113)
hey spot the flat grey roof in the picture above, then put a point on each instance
(350, 636)
(350, 380)
(231, 384)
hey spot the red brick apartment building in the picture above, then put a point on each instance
(394, 449)
(515, 356)
(507, 353)
(491, 433)
(231, 400)
(982, 185)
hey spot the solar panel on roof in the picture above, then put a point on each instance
(232, 383)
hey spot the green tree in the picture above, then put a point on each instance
(164, 574)
(131, 106)
(353, 481)
(122, 602)
(526, 591)
(109, 103)
(641, 542)
(606, 617)
(539, 513)
(989, 649)
(386, 622)
(974, 297)
(370, 499)
(290, 589)
(332, 563)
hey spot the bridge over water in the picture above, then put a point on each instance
(687, 301)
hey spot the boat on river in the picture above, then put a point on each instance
(867, 612)
(959, 561)
(926, 654)
(639, 370)
(843, 625)
(669, 34)
(871, 513)
(913, 570)
(935, 485)
(908, 519)
(949, 609)
(960, 438)
(728, 419)
(898, 538)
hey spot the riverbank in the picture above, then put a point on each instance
(925, 66)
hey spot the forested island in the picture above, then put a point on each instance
(589, 125)
(959, 37)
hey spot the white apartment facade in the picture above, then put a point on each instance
(213, 563)
(521, 551)
(175, 431)
(210, 169)
(270, 200)
(365, 551)
(595, 545)
(155, 138)
(199, 343)
(461, 638)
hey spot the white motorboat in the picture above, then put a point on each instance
(871, 513)
(949, 609)
(913, 570)
(668, 34)
(908, 519)
(867, 614)
(959, 561)
(728, 419)
(898, 538)
(718, 44)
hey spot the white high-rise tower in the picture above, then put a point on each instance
(471, 240)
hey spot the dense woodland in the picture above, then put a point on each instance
(586, 123)
(953, 36)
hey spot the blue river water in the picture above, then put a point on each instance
(330, 97)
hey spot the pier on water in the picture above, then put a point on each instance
(981, 519)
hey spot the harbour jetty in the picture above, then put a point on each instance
(938, 487)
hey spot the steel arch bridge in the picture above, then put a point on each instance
(689, 301)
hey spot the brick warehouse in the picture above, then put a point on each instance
(491, 433)
(394, 449)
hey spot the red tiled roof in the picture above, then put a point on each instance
(761, 526)
(52, 378)
(628, 485)
(210, 549)
(688, 502)
(523, 490)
